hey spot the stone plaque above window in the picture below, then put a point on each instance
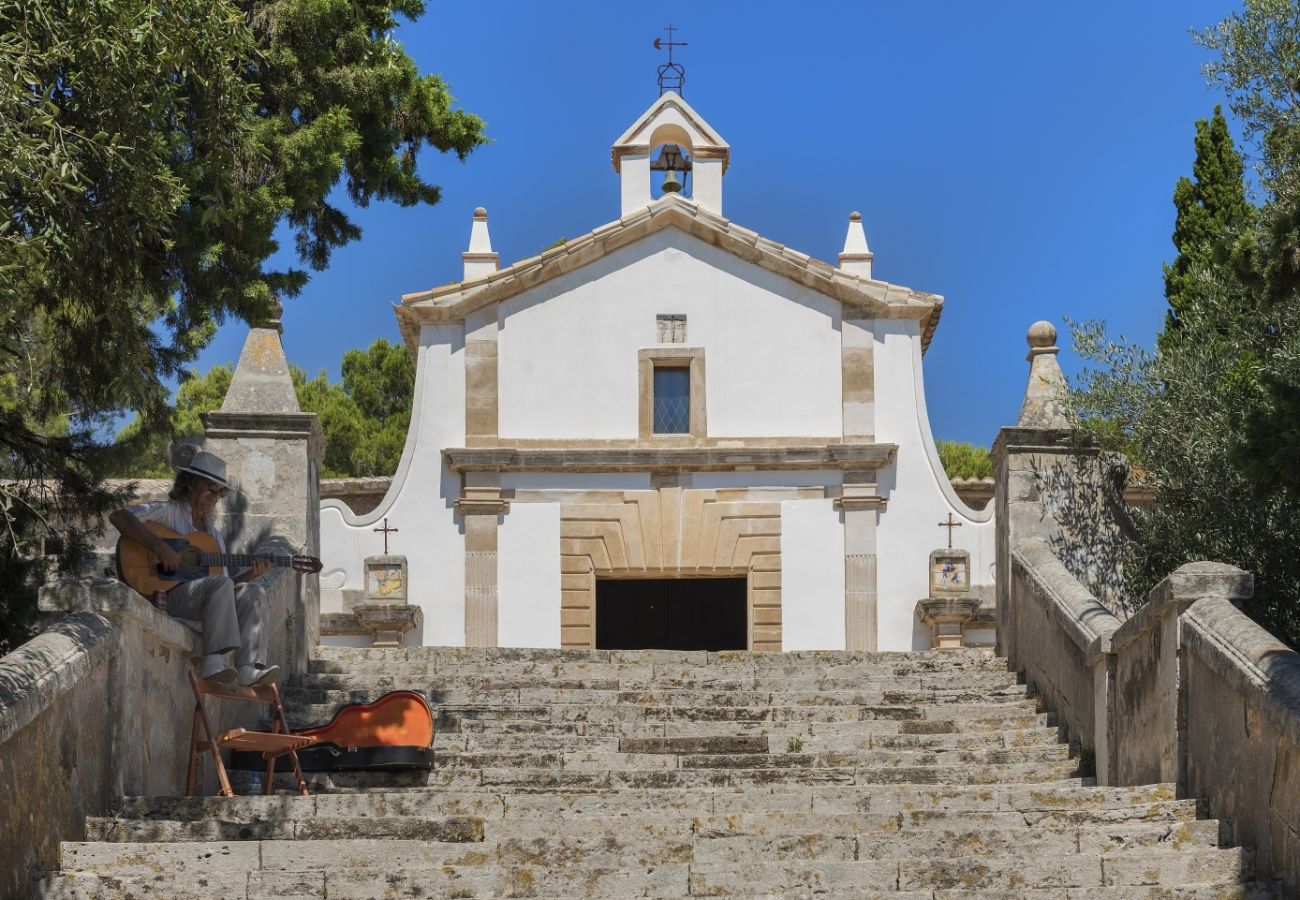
(672, 328)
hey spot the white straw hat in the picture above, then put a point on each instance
(189, 458)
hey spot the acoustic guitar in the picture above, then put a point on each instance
(200, 557)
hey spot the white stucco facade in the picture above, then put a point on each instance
(532, 469)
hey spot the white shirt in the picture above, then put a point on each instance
(175, 515)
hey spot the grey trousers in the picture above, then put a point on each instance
(234, 616)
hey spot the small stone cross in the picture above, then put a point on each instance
(387, 531)
(950, 525)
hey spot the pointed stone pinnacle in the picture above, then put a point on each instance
(1045, 402)
(261, 383)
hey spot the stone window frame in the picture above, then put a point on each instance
(674, 357)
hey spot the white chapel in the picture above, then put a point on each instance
(668, 432)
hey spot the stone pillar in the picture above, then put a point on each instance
(860, 504)
(481, 506)
(1054, 484)
(274, 451)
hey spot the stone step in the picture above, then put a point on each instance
(587, 760)
(446, 716)
(1081, 830)
(637, 842)
(1030, 802)
(549, 778)
(503, 658)
(489, 724)
(356, 885)
(530, 697)
(393, 663)
(805, 681)
(439, 868)
(776, 740)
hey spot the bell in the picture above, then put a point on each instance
(671, 184)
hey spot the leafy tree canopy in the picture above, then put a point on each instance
(364, 417)
(147, 153)
(1212, 413)
(962, 460)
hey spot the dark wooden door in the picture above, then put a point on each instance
(671, 614)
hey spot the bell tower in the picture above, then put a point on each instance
(670, 137)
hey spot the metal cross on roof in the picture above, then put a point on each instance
(950, 525)
(672, 76)
(387, 531)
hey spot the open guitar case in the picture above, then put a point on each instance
(392, 734)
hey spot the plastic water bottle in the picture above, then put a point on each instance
(255, 782)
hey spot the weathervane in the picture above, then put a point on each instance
(672, 76)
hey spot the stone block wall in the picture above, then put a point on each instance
(54, 693)
(1188, 690)
(1242, 733)
(96, 708)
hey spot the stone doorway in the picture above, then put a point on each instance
(672, 614)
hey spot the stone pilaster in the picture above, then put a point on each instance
(273, 451)
(481, 507)
(481, 378)
(858, 379)
(860, 504)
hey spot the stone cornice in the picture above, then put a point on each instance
(670, 459)
(271, 425)
(874, 299)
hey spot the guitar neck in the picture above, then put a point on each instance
(245, 560)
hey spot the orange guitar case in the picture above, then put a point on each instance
(393, 733)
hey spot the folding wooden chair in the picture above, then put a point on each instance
(271, 744)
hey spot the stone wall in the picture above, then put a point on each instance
(95, 708)
(1188, 690)
(1242, 734)
(51, 781)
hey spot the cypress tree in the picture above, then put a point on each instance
(1211, 209)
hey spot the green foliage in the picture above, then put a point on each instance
(961, 460)
(364, 417)
(147, 153)
(1211, 415)
(1259, 69)
(558, 242)
(1211, 208)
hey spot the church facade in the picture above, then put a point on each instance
(672, 432)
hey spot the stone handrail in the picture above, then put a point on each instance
(1062, 632)
(1188, 690)
(1088, 623)
(98, 707)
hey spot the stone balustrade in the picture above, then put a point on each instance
(98, 707)
(1188, 690)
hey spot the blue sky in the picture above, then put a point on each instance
(1016, 157)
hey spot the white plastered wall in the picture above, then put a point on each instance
(919, 493)
(418, 503)
(812, 576)
(528, 576)
(568, 349)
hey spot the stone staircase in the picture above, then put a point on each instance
(662, 774)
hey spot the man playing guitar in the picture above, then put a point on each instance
(233, 610)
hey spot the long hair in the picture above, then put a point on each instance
(184, 484)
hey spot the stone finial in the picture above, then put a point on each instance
(1045, 396)
(856, 257)
(261, 381)
(479, 259)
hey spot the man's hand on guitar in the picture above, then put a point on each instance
(168, 558)
(260, 566)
